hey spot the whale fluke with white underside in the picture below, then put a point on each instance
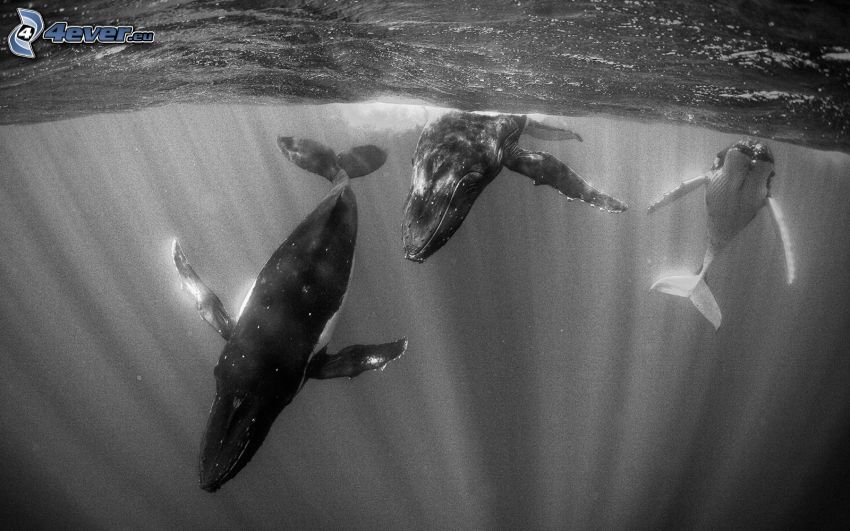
(737, 187)
(694, 288)
(280, 338)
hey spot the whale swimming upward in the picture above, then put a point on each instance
(280, 338)
(460, 153)
(736, 188)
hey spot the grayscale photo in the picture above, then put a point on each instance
(437, 265)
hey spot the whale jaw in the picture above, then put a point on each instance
(429, 222)
(432, 217)
(238, 423)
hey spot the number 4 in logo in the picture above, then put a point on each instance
(26, 33)
(21, 38)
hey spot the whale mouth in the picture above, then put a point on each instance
(414, 255)
(237, 425)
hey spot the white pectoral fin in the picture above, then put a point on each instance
(779, 222)
(676, 193)
(354, 359)
(207, 303)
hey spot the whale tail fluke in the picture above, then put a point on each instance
(317, 158)
(362, 160)
(694, 288)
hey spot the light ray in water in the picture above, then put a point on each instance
(544, 386)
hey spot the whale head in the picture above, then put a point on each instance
(746, 162)
(739, 187)
(237, 425)
(248, 399)
(446, 182)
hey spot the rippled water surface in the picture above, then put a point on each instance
(771, 68)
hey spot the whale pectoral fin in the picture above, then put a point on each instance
(354, 359)
(541, 131)
(779, 222)
(679, 191)
(543, 168)
(208, 304)
(361, 160)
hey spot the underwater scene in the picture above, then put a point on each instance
(371, 265)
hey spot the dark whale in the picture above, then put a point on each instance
(736, 187)
(280, 339)
(459, 154)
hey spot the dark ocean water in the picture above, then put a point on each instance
(773, 68)
(544, 387)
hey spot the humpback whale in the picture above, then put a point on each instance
(460, 153)
(736, 187)
(280, 338)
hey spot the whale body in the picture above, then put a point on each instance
(737, 187)
(460, 153)
(280, 338)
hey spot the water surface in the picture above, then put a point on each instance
(777, 69)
